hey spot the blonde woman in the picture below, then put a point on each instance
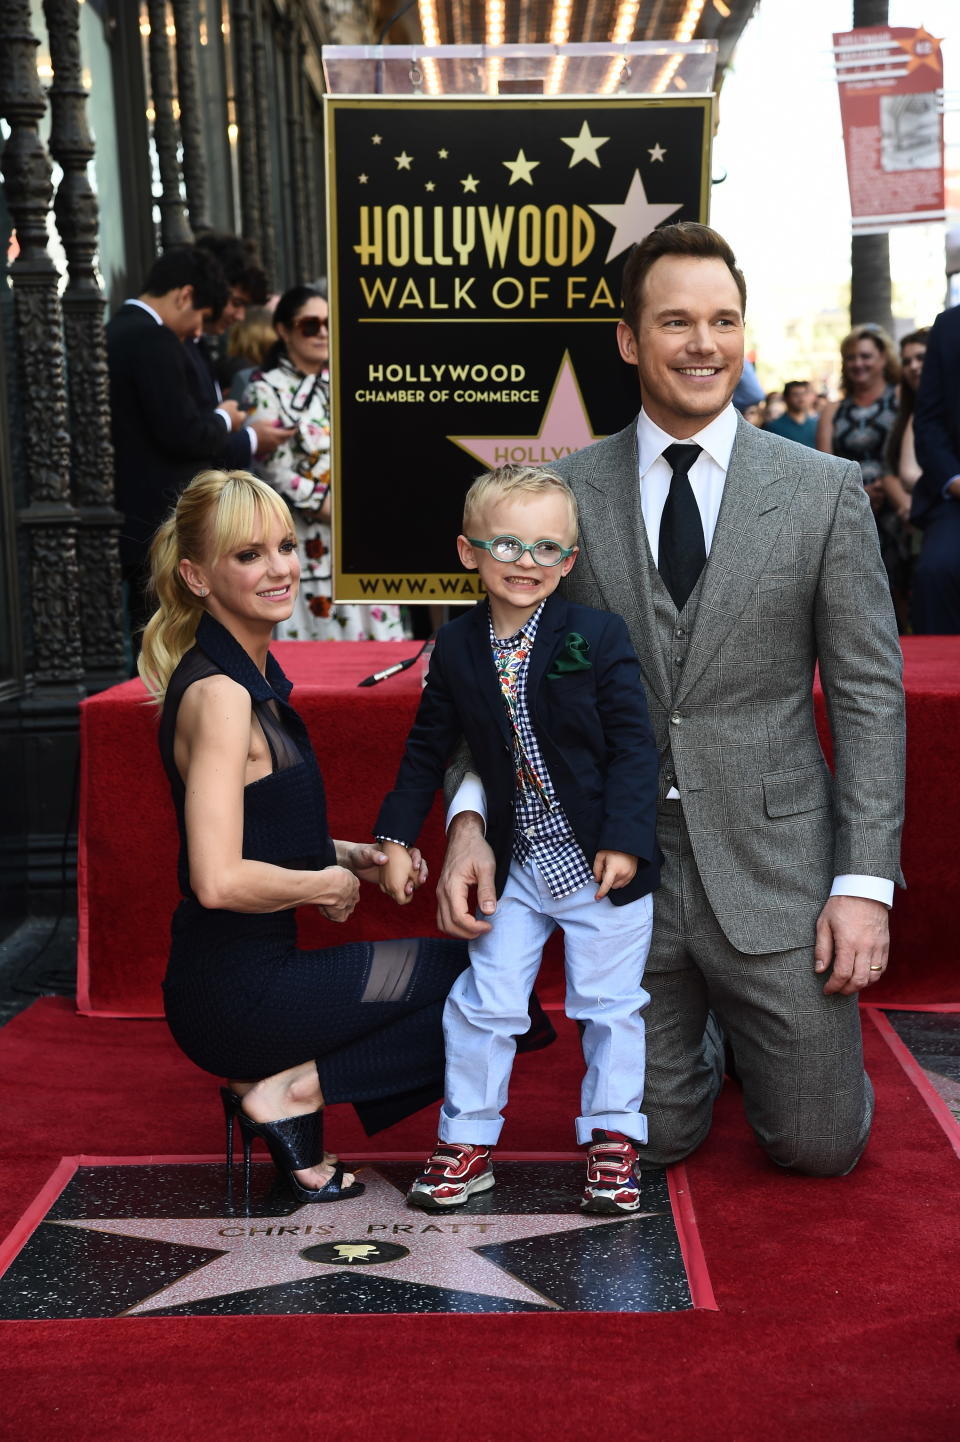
(292, 1030)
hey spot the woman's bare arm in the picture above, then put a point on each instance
(825, 428)
(213, 746)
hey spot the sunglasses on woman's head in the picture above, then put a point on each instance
(310, 325)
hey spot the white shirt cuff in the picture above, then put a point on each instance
(225, 418)
(253, 439)
(470, 797)
(872, 888)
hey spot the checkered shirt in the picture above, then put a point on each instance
(543, 832)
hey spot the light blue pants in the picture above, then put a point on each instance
(605, 950)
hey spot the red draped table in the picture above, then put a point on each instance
(128, 845)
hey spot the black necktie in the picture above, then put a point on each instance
(682, 553)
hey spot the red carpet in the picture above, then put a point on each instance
(837, 1299)
(127, 852)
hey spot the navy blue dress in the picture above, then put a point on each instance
(242, 1001)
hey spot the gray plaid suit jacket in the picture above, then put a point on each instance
(793, 579)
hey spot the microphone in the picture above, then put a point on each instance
(379, 676)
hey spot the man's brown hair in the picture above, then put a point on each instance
(685, 238)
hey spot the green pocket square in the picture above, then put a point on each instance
(572, 658)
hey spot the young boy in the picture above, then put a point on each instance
(548, 697)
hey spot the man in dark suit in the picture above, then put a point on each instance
(162, 434)
(740, 562)
(247, 285)
(935, 604)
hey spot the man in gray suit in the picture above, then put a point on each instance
(740, 561)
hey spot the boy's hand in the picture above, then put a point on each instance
(613, 869)
(398, 873)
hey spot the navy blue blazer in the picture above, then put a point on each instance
(592, 727)
(936, 420)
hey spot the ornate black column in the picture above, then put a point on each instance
(268, 234)
(48, 522)
(246, 110)
(293, 59)
(174, 229)
(191, 115)
(311, 229)
(101, 621)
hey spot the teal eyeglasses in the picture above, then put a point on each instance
(510, 548)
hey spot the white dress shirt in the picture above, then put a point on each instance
(708, 476)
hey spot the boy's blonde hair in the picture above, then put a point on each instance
(514, 481)
(218, 511)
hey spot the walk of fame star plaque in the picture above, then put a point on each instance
(476, 246)
(166, 1239)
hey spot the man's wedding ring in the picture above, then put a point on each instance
(876, 968)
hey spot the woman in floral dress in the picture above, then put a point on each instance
(294, 391)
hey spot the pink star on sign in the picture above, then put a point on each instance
(565, 428)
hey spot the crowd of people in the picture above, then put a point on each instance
(873, 422)
(207, 369)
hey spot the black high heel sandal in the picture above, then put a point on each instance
(231, 1112)
(294, 1143)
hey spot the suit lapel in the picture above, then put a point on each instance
(480, 658)
(551, 626)
(756, 495)
(614, 539)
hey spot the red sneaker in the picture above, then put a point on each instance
(613, 1175)
(453, 1174)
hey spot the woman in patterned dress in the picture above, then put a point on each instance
(858, 428)
(294, 391)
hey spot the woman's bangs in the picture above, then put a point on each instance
(244, 514)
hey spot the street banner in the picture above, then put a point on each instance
(890, 80)
(475, 251)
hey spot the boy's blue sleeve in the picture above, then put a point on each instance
(432, 739)
(630, 793)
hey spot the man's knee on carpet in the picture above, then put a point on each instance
(832, 1150)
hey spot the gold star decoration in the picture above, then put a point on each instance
(376, 139)
(404, 161)
(443, 154)
(362, 179)
(656, 152)
(584, 146)
(429, 185)
(923, 49)
(521, 168)
(469, 185)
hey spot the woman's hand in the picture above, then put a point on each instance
(367, 860)
(337, 893)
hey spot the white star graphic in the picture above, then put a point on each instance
(429, 185)
(634, 218)
(521, 168)
(469, 184)
(565, 428)
(376, 139)
(443, 154)
(267, 1251)
(404, 161)
(362, 179)
(657, 152)
(584, 146)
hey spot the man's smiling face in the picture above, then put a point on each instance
(688, 347)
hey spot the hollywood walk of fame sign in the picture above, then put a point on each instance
(160, 1241)
(475, 253)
